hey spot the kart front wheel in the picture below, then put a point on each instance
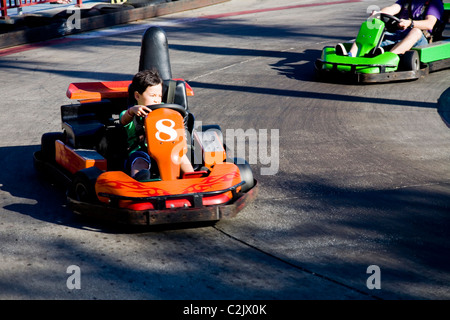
(410, 61)
(83, 184)
(246, 173)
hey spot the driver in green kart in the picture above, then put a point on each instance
(417, 20)
(146, 90)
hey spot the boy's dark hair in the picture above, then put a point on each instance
(144, 79)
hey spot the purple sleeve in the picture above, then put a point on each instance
(403, 14)
(436, 9)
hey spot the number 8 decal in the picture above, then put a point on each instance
(161, 127)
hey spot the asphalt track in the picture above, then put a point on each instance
(359, 174)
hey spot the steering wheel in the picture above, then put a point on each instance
(171, 106)
(139, 121)
(391, 22)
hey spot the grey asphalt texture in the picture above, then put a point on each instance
(359, 174)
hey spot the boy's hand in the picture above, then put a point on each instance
(404, 24)
(140, 111)
(374, 14)
(137, 110)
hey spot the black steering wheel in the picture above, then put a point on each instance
(139, 121)
(171, 106)
(391, 22)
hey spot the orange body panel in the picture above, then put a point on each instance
(98, 90)
(105, 90)
(75, 160)
(213, 157)
(166, 141)
(222, 176)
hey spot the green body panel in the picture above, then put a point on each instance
(360, 64)
(369, 36)
(435, 51)
(447, 6)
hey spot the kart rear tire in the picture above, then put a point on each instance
(83, 185)
(246, 173)
(48, 145)
(410, 61)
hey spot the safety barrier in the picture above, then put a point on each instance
(10, 4)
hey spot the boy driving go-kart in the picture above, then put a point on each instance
(391, 47)
(417, 23)
(146, 90)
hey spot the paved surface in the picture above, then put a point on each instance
(358, 177)
(48, 21)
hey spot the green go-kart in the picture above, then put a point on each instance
(370, 67)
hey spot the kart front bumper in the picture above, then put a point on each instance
(162, 216)
(106, 212)
(335, 75)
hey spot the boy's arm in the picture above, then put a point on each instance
(126, 117)
(427, 24)
(392, 9)
(137, 110)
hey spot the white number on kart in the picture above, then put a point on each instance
(168, 130)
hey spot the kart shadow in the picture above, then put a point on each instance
(79, 74)
(30, 193)
(312, 95)
(298, 66)
(294, 65)
(444, 107)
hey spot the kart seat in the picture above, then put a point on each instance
(83, 133)
(438, 29)
(174, 91)
(84, 123)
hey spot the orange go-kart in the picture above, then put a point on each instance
(88, 156)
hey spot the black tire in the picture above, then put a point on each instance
(83, 185)
(246, 173)
(48, 145)
(410, 61)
